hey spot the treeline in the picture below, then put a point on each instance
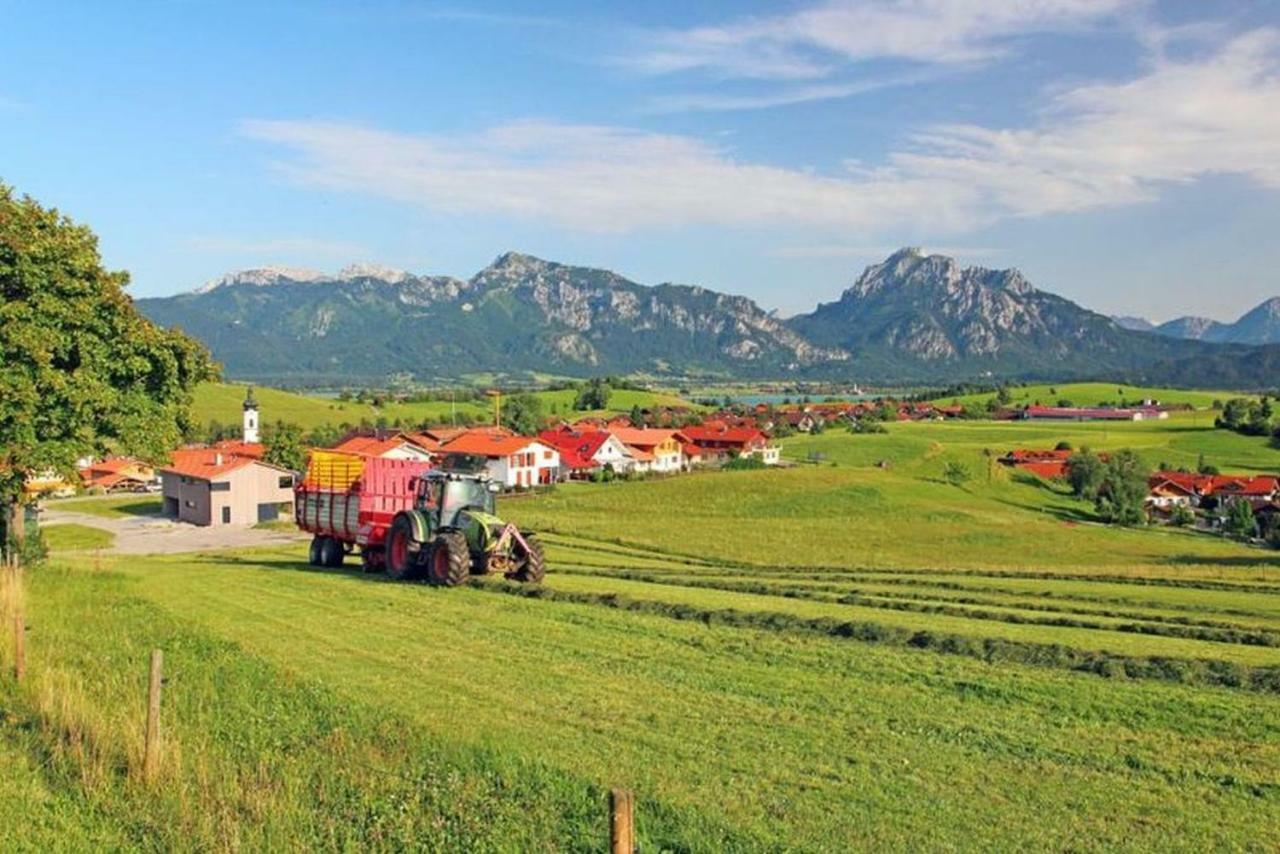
(1250, 417)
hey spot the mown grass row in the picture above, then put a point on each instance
(1219, 634)
(624, 548)
(991, 650)
(1170, 625)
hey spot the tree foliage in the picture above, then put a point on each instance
(1122, 494)
(522, 413)
(81, 371)
(594, 394)
(1239, 521)
(1084, 473)
(285, 447)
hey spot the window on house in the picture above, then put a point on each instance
(226, 515)
(221, 486)
(285, 482)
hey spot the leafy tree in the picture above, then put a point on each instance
(522, 413)
(1085, 471)
(324, 436)
(284, 446)
(956, 473)
(1122, 494)
(593, 395)
(81, 370)
(1182, 516)
(1063, 446)
(637, 417)
(1003, 397)
(1239, 522)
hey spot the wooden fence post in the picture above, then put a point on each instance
(151, 754)
(19, 647)
(622, 834)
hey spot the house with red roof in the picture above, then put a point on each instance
(583, 452)
(651, 449)
(719, 440)
(118, 474)
(211, 486)
(398, 446)
(513, 461)
(1168, 488)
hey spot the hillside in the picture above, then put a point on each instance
(221, 402)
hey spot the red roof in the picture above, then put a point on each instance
(371, 446)
(577, 449)
(488, 444)
(1251, 486)
(723, 435)
(240, 449)
(206, 463)
(639, 437)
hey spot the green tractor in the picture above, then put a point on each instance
(452, 532)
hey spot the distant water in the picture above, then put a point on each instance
(775, 399)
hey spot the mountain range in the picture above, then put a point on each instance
(912, 318)
(1259, 325)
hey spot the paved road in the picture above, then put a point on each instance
(158, 535)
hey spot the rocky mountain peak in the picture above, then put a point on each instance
(263, 276)
(378, 272)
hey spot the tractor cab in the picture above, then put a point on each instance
(442, 495)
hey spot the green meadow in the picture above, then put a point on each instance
(1097, 394)
(847, 653)
(222, 402)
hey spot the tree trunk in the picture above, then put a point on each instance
(14, 531)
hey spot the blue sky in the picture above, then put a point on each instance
(1125, 154)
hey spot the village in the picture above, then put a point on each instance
(231, 481)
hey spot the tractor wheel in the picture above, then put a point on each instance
(535, 564)
(450, 560)
(401, 563)
(314, 553)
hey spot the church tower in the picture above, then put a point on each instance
(250, 418)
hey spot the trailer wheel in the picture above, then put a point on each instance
(401, 563)
(331, 552)
(450, 560)
(314, 553)
(535, 563)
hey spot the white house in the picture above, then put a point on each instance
(513, 461)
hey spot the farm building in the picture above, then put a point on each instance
(512, 460)
(1048, 464)
(204, 486)
(116, 474)
(1097, 413)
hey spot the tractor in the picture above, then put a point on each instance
(452, 532)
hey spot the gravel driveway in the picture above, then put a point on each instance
(158, 535)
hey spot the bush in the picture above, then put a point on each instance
(956, 473)
(1063, 446)
(1182, 516)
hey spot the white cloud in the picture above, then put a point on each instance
(813, 42)
(275, 247)
(720, 102)
(1095, 145)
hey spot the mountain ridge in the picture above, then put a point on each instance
(911, 318)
